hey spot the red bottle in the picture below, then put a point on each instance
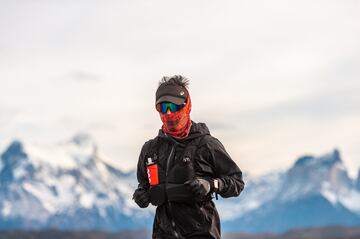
(152, 171)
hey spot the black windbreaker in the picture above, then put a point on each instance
(178, 214)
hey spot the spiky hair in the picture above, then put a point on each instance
(175, 80)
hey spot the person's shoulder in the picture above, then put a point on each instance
(149, 143)
(212, 142)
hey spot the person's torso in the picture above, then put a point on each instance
(175, 164)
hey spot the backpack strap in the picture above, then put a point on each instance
(153, 148)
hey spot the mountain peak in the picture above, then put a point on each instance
(336, 154)
(330, 159)
(15, 146)
(313, 175)
(15, 149)
(326, 160)
(358, 181)
(304, 160)
(83, 139)
(13, 157)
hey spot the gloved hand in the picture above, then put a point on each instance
(199, 187)
(141, 197)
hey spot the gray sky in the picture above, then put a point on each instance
(272, 79)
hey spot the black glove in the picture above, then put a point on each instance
(199, 187)
(141, 197)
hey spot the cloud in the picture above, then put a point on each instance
(8, 114)
(84, 77)
(263, 74)
(329, 105)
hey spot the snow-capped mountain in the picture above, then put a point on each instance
(69, 186)
(72, 185)
(315, 191)
(358, 181)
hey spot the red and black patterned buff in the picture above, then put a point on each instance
(178, 124)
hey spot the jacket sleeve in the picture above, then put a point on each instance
(225, 169)
(141, 172)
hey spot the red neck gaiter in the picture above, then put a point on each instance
(177, 124)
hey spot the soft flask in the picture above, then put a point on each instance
(152, 171)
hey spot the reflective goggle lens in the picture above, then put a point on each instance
(164, 106)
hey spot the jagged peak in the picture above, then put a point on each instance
(326, 160)
(336, 154)
(15, 145)
(83, 139)
(15, 148)
(358, 180)
(304, 160)
(331, 158)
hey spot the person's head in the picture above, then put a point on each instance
(172, 101)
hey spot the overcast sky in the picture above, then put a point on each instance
(273, 80)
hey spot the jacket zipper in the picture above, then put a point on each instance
(167, 162)
(169, 203)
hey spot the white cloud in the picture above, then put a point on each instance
(273, 79)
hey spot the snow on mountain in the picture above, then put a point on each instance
(358, 181)
(72, 185)
(257, 191)
(325, 174)
(1, 165)
(314, 191)
(41, 186)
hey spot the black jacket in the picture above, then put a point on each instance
(178, 213)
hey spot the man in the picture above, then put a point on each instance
(179, 170)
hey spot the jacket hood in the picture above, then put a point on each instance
(196, 130)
